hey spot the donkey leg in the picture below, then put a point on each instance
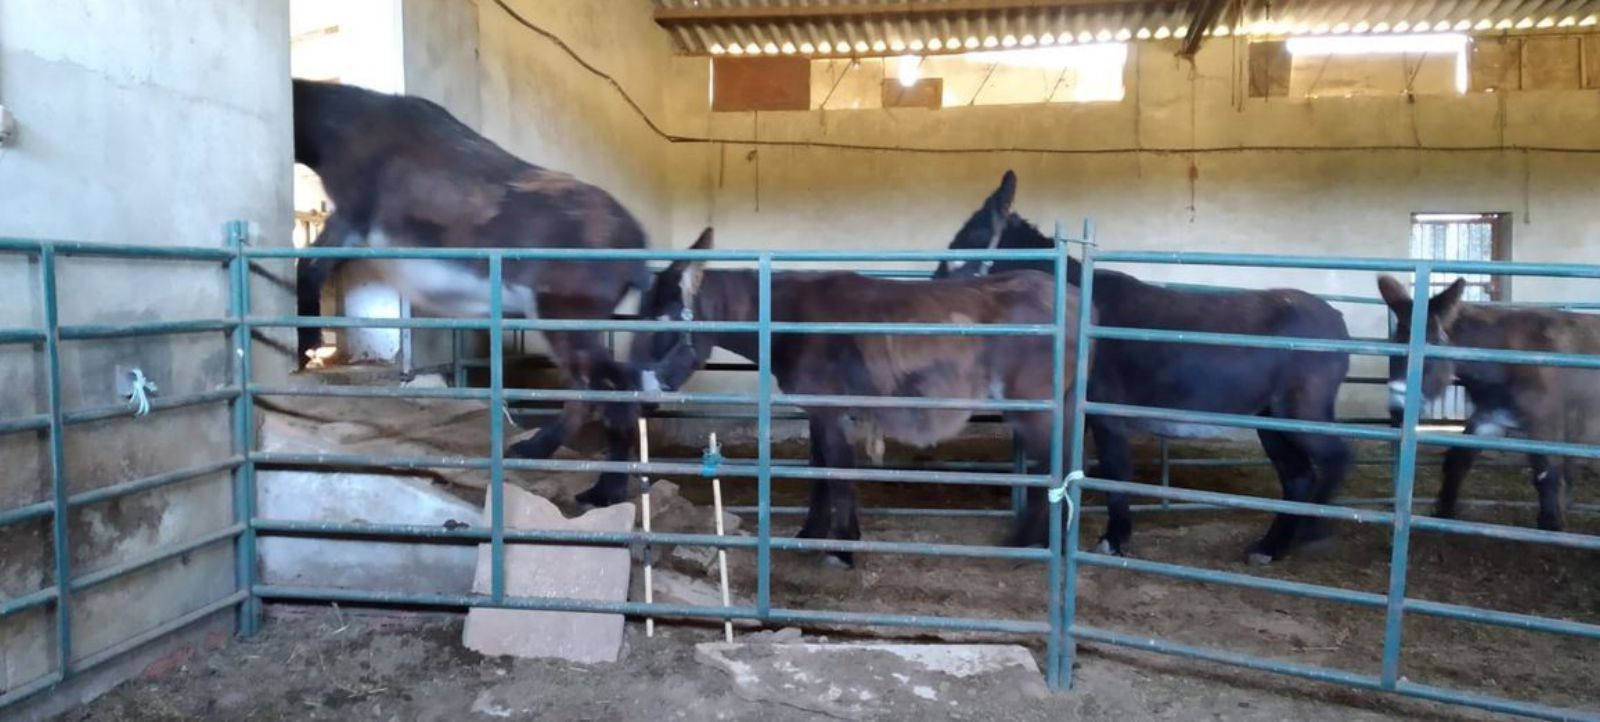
(1032, 525)
(1548, 481)
(1295, 475)
(1115, 463)
(832, 447)
(312, 273)
(589, 365)
(820, 510)
(1332, 457)
(1458, 463)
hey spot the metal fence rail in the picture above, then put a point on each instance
(1060, 629)
(56, 419)
(1401, 519)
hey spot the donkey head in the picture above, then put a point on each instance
(982, 230)
(1443, 310)
(674, 295)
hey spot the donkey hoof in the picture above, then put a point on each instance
(1106, 547)
(839, 560)
(596, 496)
(1258, 559)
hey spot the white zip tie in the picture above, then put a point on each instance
(139, 394)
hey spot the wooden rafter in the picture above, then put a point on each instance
(911, 8)
(1205, 16)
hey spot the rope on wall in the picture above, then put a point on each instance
(975, 150)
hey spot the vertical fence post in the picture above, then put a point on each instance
(458, 358)
(1080, 391)
(1058, 425)
(1019, 465)
(764, 436)
(1404, 480)
(244, 487)
(58, 461)
(497, 471)
(1166, 471)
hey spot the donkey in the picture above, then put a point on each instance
(971, 367)
(1547, 403)
(402, 172)
(1265, 382)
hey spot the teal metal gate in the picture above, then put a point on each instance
(1061, 630)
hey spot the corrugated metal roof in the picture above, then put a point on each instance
(892, 27)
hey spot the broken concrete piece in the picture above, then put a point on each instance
(701, 560)
(588, 573)
(787, 635)
(858, 681)
(361, 564)
(684, 591)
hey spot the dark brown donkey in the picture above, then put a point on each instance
(1281, 384)
(402, 172)
(968, 367)
(1547, 403)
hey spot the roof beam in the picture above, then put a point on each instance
(1206, 13)
(910, 8)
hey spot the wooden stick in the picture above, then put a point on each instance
(722, 552)
(644, 500)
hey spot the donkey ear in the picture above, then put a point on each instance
(703, 243)
(1447, 304)
(1000, 202)
(1395, 295)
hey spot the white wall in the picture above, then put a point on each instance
(152, 123)
(1170, 168)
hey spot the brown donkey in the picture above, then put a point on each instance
(402, 172)
(1548, 403)
(968, 367)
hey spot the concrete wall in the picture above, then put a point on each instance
(150, 123)
(1169, 167)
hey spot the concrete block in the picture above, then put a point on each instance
(360, 564)
(683, 590)
(590, 573)
(861, 681)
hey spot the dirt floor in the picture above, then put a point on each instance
(323, 664)
(339, 666)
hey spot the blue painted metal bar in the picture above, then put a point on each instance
(1365, 347)
(727, 470)
(27, 512)
(36, 422)
(17, 694)
(434, 534)
(1235, 501)
(1213, 576)
(156, 328)
(21, 335)
(1058, 428)
(1304, 671)
(157, 632)
(458, 355)
(1241, 421)
(1516, 446)
(497, 457)
(653, 254)
(1331, 263)
(764, 470)
(1080, 399)
(157, 404)
(113, 250)
(248, 614)
(1405, 478)
(61, 547)
(101, 576)
(1508, 533)
(149, 483)
(27, 601)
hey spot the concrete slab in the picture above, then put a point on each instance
(860, 681)
(683, 590)
(361, 564)
(592, 573)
